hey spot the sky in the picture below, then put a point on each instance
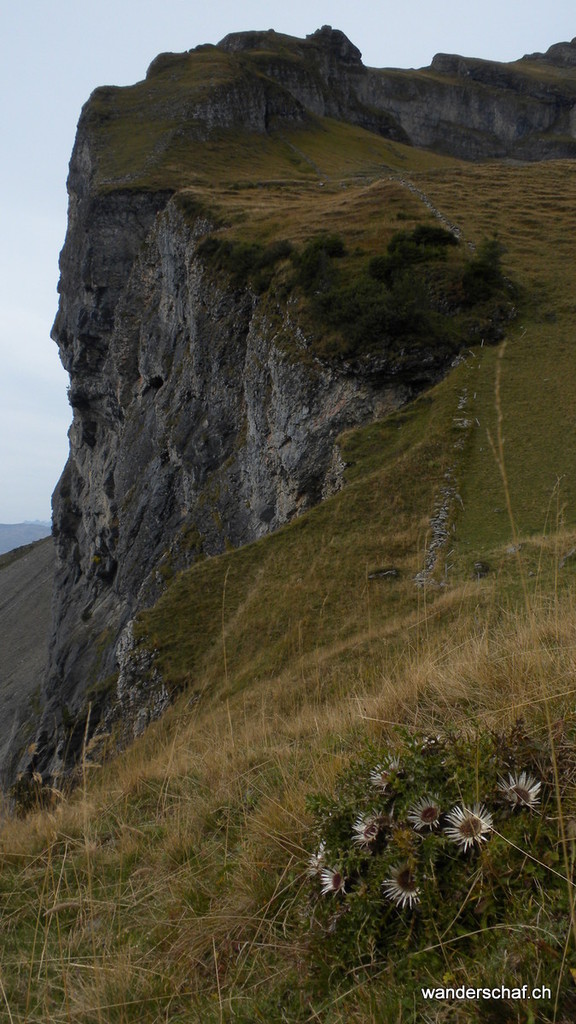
(53, 53)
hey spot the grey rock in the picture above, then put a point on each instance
(466, 107)
(389, 573)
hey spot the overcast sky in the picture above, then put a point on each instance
(54, 52)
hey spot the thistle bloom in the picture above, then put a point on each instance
(332, 881)
(425, 813)
(401, 888)
(366, 829)
(468, 826)
(521, 790)
(316, 860)
(381, 774)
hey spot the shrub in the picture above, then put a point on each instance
(314, 263)
(483, 277)
(405, 300)
(426, 242)
(245, 262)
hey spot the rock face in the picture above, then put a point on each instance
(194, 425)
(192, 430)
(469, 108)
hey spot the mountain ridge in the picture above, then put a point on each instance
(205, 413)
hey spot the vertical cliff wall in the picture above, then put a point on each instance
(193, 429)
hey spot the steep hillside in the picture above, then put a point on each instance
(313, 659)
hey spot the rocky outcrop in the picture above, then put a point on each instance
(560, 55)
(465, 107)
(193, 430)
(263, 82)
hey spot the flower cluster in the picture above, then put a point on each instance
(396, 831)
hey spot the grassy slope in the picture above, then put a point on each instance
(172, 886)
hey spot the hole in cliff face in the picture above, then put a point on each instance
(89, 429)
(156, 382)
(107, 569)
(92, 351)
(266, 514)
(103, 567)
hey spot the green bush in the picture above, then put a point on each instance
(426, 242)
(483, 277)
(405, 300)
(371, 316)
(315, 270)
(247, 263)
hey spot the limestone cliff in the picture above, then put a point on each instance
(467, 107)
(195, 426)
(192, 430)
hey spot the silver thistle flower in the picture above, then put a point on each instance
(468, 825)
(332, 881)
(425, 814)
(401, 887)
(366, 829)
(521, 790)
(316, 860)
(382, 773)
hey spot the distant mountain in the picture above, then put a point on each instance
(14, 535)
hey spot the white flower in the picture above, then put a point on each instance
(366, 829)
(382, 773)
(401, 888)
(332, 881)
(521, 790)
(425, 813)
(316, 860)
(468, 825)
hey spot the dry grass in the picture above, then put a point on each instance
(180, 865)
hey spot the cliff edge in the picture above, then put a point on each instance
(202, 417)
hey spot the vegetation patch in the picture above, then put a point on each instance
(247, 263)
(425, 849)
(413, 297)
